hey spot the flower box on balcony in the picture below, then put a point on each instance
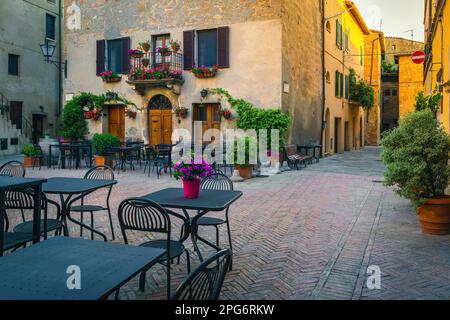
(110, 76)
(112, 80)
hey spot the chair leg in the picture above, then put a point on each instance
(81, 227)
(188, 261)
(168, 279)
(116, 295)
(217, 236)
(142, 281)
(92, 225)
(229, 239)
(111, 223)
(23, 215)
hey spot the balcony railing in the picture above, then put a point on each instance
(156, 66)
(155, 69)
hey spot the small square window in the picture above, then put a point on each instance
(13, 64)
(50, 27)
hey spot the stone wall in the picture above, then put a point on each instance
(302, 68)
(410, 78)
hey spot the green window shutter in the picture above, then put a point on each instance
(347, 87)
(338, 34)
(336, 84)
(361, 62)
(341, 92)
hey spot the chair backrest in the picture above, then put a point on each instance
(136, 214)
(23, 199)
(291, 150)
(217, 181)
(206, 281)
(13, 168)
(100, 173)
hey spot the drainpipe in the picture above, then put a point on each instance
(323, 81)
(60, 64)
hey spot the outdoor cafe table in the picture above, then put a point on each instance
(40, 272)
(208, 201)
(73, 147)
(15, 183)
(74, 189)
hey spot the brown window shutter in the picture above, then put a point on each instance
(126, 46)
(100, 56)
(188, 49)
(223, 47)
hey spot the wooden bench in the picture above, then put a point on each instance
(294, 158)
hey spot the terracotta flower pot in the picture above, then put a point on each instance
(245, 172)
(30, 161)
(191, 188)
(102, 161)
(112, 80)
(434, 216)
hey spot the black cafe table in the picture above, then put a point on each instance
(208, 201)
(40, 272)
(17, 183)
(76, 148)
(71, 190)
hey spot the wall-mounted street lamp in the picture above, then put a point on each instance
(204, 93)
(48, 49)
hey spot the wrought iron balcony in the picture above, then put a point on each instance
(152, 69)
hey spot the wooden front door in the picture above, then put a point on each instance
(210, 116)
(160, 127)
(16, 113)
(116, 121)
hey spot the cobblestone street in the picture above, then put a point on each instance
(308, 234)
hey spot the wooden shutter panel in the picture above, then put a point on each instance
(101, 45)
(337, 32)
(188, 49)
(336, 84)
(126, 46)
(223, 47)
(341, 93)
(347, 87)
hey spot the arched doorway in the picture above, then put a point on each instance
(160, 120)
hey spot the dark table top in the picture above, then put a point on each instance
(11, 183)
(74, 185)
(210, 200)
(39, 272)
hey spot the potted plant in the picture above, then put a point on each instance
(136, 53)
(110, 76)
(145, 46)
(205, 72)
(30, 153)
(164, 51)
(145, 62)
(181, 112)
(239, 155)
(191, 172)
(175, 45)
(100, 144)
(226, 114)
(416, 155)
(130, 113)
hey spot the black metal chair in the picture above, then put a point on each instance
(39, 158)
(149, 158)
(24, 200)
(13, 169)
(146, 216)
(163, 159)
(206, 281)
(96, 173)
(217, 181)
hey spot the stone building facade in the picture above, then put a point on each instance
(345, 31)
(28, 84)
(375, 48)
(260, 57)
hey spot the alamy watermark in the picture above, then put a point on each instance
(74, 280)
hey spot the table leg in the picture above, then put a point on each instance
(90, 156)
(64, 213)
(2, 219)
(50, 157)
(37, 213)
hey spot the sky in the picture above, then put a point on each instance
(397, 16)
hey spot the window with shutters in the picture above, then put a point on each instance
(50, 27)
(113, 55)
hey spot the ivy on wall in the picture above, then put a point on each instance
(252, 117)
(361, 92)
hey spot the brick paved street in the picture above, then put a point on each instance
(311, 234)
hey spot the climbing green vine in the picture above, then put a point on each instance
(251, 117)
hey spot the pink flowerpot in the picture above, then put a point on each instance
(191, 188)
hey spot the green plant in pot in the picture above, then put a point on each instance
(31, 154)
(241, 154)
(101, 142)
(416, 155)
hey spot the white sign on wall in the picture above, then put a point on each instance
(73, 21)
